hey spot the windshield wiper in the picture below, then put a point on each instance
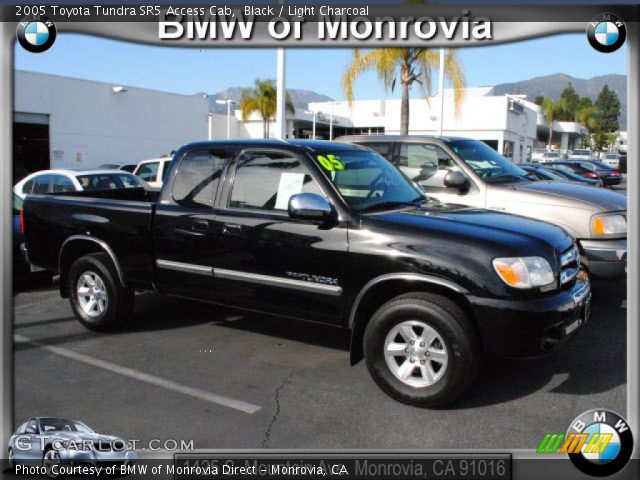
(392, 204)
(507, 177)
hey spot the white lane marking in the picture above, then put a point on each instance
(145, 377)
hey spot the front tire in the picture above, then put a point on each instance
(51, 459)
(421, 349)
(97, 298)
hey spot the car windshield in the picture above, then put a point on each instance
(108, 181)
(581, 152)
(366, 181)
(63, 425)
(598, 164)
(488, 164)
(552, 155)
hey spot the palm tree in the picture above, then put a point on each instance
(262, 99)
(406, 66)
(588, 118)
(550, 109)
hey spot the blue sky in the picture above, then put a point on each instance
(188, 71)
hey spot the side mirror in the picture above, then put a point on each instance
(309, 206)
(457, 180)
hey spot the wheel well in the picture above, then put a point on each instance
(385, 291)
(70, 253)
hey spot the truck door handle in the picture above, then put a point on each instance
(200, 225)
(231, 228)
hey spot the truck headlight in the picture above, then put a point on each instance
(524, 272)
(609, 224)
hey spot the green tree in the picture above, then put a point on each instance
(570, 99)
(550, 109)
(405, 66)
(262, 99)
(608, 104)
(588, 117)
(539, 100)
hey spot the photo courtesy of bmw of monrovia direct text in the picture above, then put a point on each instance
(315, 240)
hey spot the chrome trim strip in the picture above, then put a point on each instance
(569, 257)
(568, 275)
(185, 267)
(401, 276)
(103, 245)
(277, 281)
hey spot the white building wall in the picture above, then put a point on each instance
(90, 124)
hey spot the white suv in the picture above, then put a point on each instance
(153, 171)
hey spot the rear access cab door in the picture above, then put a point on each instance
(264, 259)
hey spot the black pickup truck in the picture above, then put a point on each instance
(323, 232)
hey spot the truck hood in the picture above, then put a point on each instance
(518, 234)
(565, 194)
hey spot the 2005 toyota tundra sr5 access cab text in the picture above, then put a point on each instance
(323, 232)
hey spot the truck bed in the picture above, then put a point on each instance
(122, 218)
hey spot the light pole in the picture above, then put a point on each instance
(331, 123)
(441, 88)
(228, 103)
(313, 127)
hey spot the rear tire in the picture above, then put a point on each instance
(422, 350)
(97, 298)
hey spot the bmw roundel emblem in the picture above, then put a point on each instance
(607, 442)
(36, 34)
(606, 32)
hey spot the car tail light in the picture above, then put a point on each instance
(591, 175)
(615, 172)
(22, 221)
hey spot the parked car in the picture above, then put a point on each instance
(538, 154)
(54, 442)
(153, 171)
(536, 172)
(127, 167)
(581, 154)
(570, 175)
(594, 169)
(612, 160)
(330, 233)
(62, 181)
(469, 172)
(622, 164)
(551, 155)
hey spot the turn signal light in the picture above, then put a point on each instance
(22, 221)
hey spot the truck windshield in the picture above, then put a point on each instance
(366, 181)
(488, 164)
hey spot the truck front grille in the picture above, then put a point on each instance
(569, 265)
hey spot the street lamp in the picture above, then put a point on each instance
(313, 128)
(228, 103)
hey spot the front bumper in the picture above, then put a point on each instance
(605, 258)
(532, 327)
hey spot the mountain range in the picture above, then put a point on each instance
(552, 86)
(548, 85)
(300, 98)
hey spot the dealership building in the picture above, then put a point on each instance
(62, 122)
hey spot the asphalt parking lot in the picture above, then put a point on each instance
(225, 378)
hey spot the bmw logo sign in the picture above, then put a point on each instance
(607, 442)
(606, 32)
(36, 34)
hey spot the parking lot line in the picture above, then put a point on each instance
(144, 377)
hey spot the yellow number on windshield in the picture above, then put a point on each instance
(330, 162)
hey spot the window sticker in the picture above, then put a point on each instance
(290, 184)
(330, 162)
